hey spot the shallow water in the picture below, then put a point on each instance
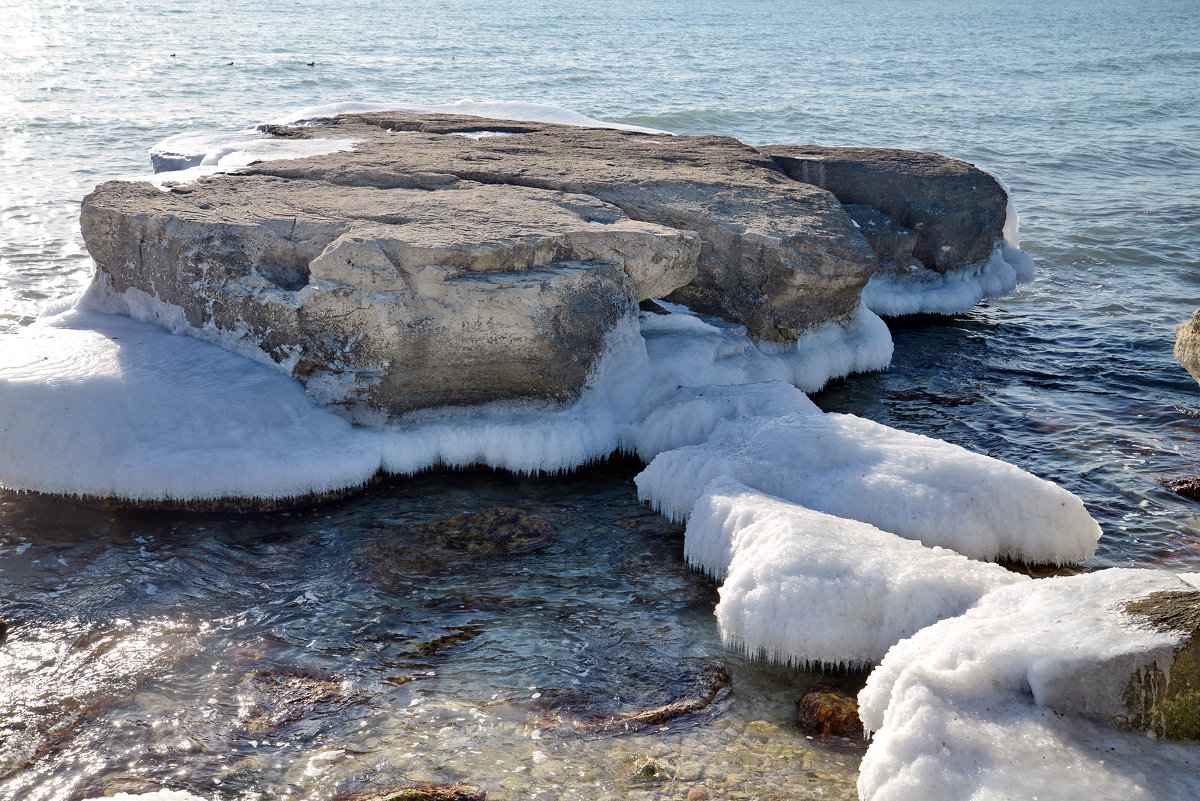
(298, 655)
(138, 637)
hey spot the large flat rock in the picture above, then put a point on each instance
(776, 255)
(449, 261)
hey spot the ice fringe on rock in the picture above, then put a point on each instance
(917, 290)
(920, 488)
(103, 405)
(977, 707)
(187, 156)
(807, 588)
(154, 795)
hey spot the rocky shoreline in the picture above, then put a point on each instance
(535, 296)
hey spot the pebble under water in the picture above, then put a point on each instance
(318, 652)
(310, 654)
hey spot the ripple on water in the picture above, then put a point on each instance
(319, 651)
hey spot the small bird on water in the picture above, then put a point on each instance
(312, 64)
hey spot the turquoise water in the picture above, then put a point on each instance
(1089, 110)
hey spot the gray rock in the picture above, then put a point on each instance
(384, 301)
(892, 242)
(423, 269)
(956, 209)
(1187, 345)
(776, 255)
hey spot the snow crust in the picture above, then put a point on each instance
(185, 157)
(524, 111)
(914, 486)
(807, 588)
(101, 404)
(919, 290)
(986, 705)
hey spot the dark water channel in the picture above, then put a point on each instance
(308, 654)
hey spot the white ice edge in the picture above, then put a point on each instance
(919, 290)
(184, 157)
(917, 487)
(989, 705)
(101, 404)
(810, 589)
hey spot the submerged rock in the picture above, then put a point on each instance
(498, 530)
(659, 693)
(956, 209)
(1187, 345)
(1188, 487)
(419, 792)
(826, 710)
(276, 698)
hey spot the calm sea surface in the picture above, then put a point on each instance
(140, 642)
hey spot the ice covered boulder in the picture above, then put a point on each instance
(915, 486)
(807, 588)
(1187, 345)
(1044, 688)
(385, 300)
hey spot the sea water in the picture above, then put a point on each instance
(135, 635)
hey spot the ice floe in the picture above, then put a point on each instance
(915, 486)
(807, 588)
(1011, 699)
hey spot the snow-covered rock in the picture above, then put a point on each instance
(808, 588)
(920, 488)
(1035, 692)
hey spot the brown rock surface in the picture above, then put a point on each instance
(424, 269)
(1187, 345)
(956, 209)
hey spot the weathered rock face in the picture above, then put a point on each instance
(776, 255)
(424, 269)
(956, 209)
(1187, 345)
(390, 299)
(892, 242)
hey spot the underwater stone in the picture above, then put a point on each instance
(826, 710)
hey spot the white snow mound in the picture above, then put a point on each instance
(920, 488)
(807, 588)
(985, 705)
